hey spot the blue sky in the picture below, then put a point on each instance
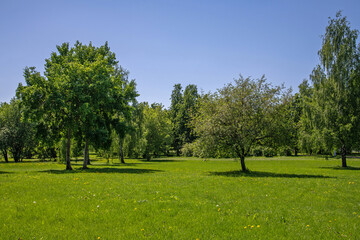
(161, 43)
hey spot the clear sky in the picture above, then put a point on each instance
(164, 42)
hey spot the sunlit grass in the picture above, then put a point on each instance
(178, 198)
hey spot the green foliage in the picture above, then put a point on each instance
(331, 115)
(16, 134)
(243, 115)
(157, 130)
(81, 94)
(182, 109)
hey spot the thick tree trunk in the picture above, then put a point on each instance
(343, 156)
(243, 167)
(86, 155)
(121, 152)
(68, 146)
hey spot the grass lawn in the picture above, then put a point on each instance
(182, 198)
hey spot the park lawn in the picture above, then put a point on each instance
(181, 198)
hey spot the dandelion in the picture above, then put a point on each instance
(258, 226)
(245, 227)
(252, 226)
(135, 209)
(307, 226)
(330, 221)
(218, 209)
(99, 238)
(142, 229)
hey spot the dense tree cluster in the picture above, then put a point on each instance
(85, 101)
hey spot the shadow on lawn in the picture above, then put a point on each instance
(161, 160)
(341, 168)
(265, 174)
(103, 170)
(3, 172)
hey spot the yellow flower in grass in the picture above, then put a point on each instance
(258, 226)
(99, 238)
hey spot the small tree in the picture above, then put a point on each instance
(242, 115)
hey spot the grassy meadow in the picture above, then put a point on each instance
(181, 198)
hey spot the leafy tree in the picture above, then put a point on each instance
(15, 133)
(157, 130)
(77, 95)
(187, 110)
(335, 101)
(242, 115)
(176, 119)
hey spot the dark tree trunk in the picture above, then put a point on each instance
(86, 155)
(296, 151)
(68, 146)
(343, 156)
(242, 160)
(121, 152)
(4, 152)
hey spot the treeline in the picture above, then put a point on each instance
(85, 100)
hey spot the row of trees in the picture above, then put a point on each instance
(86, 100)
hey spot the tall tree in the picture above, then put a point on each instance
(176, 117)
(242, 115)
(187, 110)
(336, 88)
(76, 95)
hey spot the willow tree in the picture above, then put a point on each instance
(336, 88)
(241, 115)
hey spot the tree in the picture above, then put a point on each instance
(157, 130)
(187, 110)
(176, 118)
(336, 89)
(242, 115)
(15, 133)
(77, 95)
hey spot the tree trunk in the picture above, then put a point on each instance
(68, 146)
(296, 151)
(343, 156)
(86, 155)
(121, 152)
(4, 152)
(243, 167)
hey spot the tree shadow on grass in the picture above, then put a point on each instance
(3, 172)
(103, 170)
(161, 160)
(341, 168)
(265, 174)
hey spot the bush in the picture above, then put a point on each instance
(269, 152)
(187, 150)
(285, 151)
(257, 152)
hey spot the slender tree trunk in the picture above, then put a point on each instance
(296, 151)
(121, 152)
(242, 160)
(343, 156)
(4, 152)
(68, 146)
(86, 155)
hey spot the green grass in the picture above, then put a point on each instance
(182, 198)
